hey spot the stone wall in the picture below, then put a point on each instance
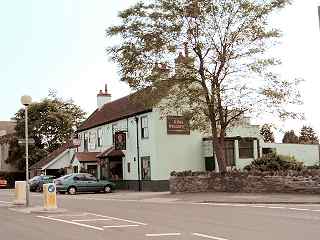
(258, 182)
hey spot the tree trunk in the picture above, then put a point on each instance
(219, 150)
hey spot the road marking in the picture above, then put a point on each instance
(121, 226)
(71, 215)
(120, 219)
(162, 234)
(207, 236)
(91, 220)
(74, 223)
(5, 202)
(276, 207)
(286, 207)
(299, 209)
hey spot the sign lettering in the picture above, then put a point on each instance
(177, 125)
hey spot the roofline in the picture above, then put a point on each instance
(54, 160)
(114, 120)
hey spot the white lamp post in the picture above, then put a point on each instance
(26, 101)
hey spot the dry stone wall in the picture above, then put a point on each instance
(280, 182)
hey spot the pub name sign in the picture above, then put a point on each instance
(177, 125)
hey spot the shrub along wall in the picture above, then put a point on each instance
(307, 181)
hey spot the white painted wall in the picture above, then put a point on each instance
(175, 152)
(61, 161)
(147, 147)
(309, 154)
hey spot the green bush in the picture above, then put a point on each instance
(273, 162)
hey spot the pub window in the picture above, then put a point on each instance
(144, 127)
(246, 148)
(114, 129)
(85, 142)
(268, 151)
(99, 133)
(146, 169)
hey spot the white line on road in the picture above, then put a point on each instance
(91, 220)
(74, 223)
(162, 234)
(276, 207)
(5, 202)
(120, 219)
(207, 236)
(299, 209)
(121, 226)
(71, 215)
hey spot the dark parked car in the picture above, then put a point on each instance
(3, 183)
(82, 182)
(36, 183)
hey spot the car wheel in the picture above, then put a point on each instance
(107, 189)
(72, 190)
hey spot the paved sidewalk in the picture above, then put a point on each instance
(266, 198)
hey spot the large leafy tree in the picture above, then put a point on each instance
(290, 137)
(207, 58)
(51, 122)
(308, 136)
(266, 133)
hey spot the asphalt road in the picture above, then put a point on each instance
(125, 216)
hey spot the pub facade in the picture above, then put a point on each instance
(136, 147)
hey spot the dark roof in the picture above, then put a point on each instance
(86, 156)
(110, 152)
(8, 126)
(113, 111)
(52, 155)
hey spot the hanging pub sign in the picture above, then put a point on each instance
(120, 141)
(177, 125)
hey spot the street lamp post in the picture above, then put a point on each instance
(26, 101)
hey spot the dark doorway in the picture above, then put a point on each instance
(93, 170)
(115, 168)
(210, 163)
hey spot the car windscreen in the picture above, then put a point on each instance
(64, 177)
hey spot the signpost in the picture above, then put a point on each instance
(23, 141)
(120, 140)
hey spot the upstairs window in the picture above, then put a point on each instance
(114, 129)
(85, 142)
(144, 127)
(246, 148)
(99, 140)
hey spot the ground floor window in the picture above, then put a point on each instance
(75, 169)
(210, 163)
(245, 148)
(268, 150)
(146, 169)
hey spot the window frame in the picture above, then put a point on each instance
(143, 176)
(248, 146)
(144, 129)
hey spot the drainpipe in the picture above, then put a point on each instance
(138, 153)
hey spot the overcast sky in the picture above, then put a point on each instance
(61, 45)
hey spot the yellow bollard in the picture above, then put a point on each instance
(20, 193)
(49, 196)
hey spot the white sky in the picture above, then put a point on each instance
(61, 45)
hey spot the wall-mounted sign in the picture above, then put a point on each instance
(177, 125)
(120, 140)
